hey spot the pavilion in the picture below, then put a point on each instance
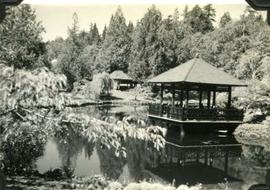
(201, 81)
(121, 78)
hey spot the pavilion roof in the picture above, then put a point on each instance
(199, 72)
(120, 75)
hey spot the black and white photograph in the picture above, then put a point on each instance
(134, 95)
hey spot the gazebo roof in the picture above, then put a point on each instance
(120, 75)
(199, 72)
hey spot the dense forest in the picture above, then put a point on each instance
(144, 49)
(147, 48)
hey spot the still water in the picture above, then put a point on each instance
(215, 160)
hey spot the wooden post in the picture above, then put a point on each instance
(181, 98)
(206, 157)
(187, 98)
(208, 99)
(200, 98)
(173, 95)
(214, 98)
(161, 94)
(226, 163)
(161, 100)
(229, 97)
(197, 157)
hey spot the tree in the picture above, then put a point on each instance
(145, 48)
(200, 19)
(130, 28)
(94, 37)
(88, 62)
(55, 48)
(115, 50)
(225, 19)
(168, 40)
(21, 42)
(103, 35)
(67, 61)
(102, 84)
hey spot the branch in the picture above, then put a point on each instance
(19, 115)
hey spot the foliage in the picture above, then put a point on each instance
(157, 186)
(225, 19)
(28, 89)
(67, 60)
(255, 101)
(88, 62)
(101, 84)
(111, 164)
(55, 48)
(113, 134)
(115, 50)
(22, 145)
(142, 91)
(201, 19)
(21, 44)
(253, 135)
(145, 47)
(26, 99)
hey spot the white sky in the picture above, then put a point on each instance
(57, 2)
(56, 15)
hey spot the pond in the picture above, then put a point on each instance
(215, 159)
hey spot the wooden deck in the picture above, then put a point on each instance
(195, 115)
(164, 118)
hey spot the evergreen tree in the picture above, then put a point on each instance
(67, 61)
(146, 46)
(201, 19)
(88, 62)
(103, 35)
(209, 14)
(225, 19)
(94, 37)
(21, 42)
(115, 50)
(130, 28)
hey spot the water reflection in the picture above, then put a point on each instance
(111, 166)
(207, 159)
(140, 156)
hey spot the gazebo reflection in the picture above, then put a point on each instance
(198, 159)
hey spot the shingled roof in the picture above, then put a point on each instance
(199, 72)
(120, 75)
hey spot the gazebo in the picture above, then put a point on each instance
(119, 78)
(199, 80)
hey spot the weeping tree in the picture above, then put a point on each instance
(102, 84)
(26, 99)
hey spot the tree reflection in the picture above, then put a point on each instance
(110, 165)
(69, 144)
(140, 155)
(88, 148)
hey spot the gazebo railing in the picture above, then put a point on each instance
(179, 113)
